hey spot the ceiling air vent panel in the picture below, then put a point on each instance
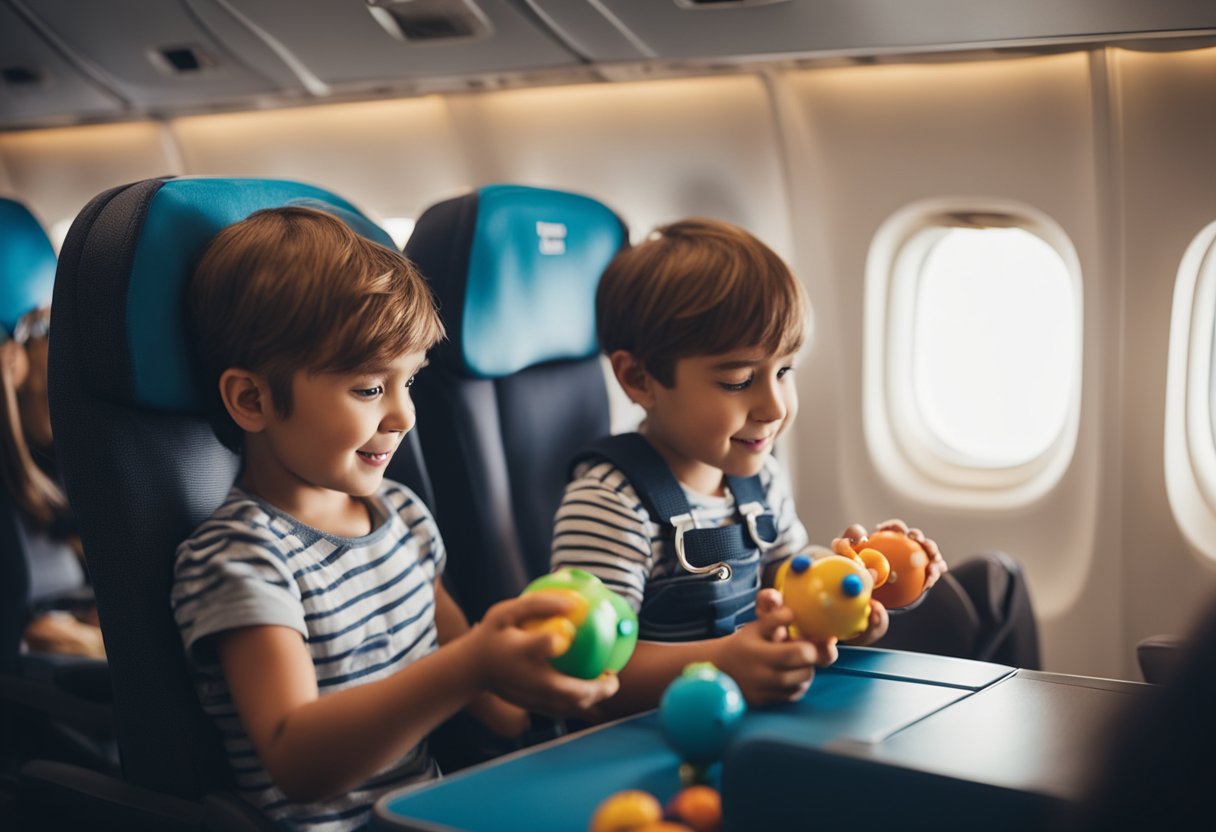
(38, 86)
(360, 43)
(153, 53)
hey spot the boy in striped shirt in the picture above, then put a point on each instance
(702, 324)
(317, 628)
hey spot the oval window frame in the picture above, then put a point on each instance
(914, 461)
(1190, 424)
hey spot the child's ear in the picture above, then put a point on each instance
(246, 397)
(633, 378)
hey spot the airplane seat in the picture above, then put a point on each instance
(1159, 656)
(54, 704)
(980, 609)
(517, 388)
(1157, 767)
(143, 469)
(511, 394)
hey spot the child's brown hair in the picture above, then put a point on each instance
(294, 288)
(698, 287)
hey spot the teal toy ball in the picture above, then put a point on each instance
(601, 631)
(699, 713)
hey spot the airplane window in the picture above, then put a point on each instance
(993, 347)
(972, 356)
(1190, 396)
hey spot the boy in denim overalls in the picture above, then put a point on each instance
(691, 516)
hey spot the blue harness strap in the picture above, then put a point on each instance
(717, 593)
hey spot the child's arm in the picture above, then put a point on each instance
(317, 747)
(491, 710)
(767, 666)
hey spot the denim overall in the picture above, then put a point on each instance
(715, 593)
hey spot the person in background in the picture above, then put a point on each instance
(60, 615)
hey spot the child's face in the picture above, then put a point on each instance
(342, 431)
(721, 415)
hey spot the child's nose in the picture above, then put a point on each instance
(770, 406)
(399, 416)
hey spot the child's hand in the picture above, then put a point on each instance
(937, 565)
(515, 662)
(876, 627)
(764, 661)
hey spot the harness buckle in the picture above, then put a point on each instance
(682, 523)
(750, 512)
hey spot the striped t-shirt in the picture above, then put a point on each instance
(603, 527)
(365, 607)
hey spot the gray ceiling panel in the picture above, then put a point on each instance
(38, 85)
(344, 44)
(700, 29)
(157, 54)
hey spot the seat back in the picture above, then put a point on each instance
(140, 462)
(980, 609)
(517, 387)
(1157, 768)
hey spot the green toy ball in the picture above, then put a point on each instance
(600, 632)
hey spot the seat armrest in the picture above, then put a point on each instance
(61, 796)
(1159, 656)
(68, 796)
(45, 698)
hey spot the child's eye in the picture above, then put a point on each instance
(784, 371)
(368, 392)
(735, 387)
(410, 383)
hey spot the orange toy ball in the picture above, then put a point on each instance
(909, 568)
(626, 811)
(700, 807)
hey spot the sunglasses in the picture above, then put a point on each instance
(32, 324)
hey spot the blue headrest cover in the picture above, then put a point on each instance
(27, 264)
(534, 265)
(182, 218)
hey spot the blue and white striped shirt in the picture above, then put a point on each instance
(365, 607)
(602, 527)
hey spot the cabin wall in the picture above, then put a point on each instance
(1113, 145)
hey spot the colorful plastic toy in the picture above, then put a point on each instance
(698, 807)
(627, 810)
(830, 596)
(600, 632)
(909, 567)
(699, 713)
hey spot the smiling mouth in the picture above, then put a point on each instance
(751, 443)
(375, 457)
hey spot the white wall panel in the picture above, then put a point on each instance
(1168, 129)
(57, 171)
(879, 139)
(391, 157)
(654, 151)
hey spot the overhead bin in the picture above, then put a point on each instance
(37, 84)
(361, 43)
(156, 55)
(614, 30)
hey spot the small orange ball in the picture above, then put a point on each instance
(626, 811)
(909, 568)
(700, 807)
